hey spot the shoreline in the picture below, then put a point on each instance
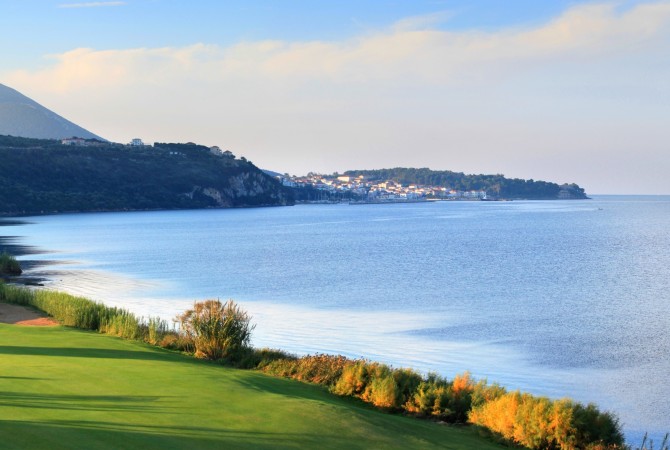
(27, 250)
(398, 391)
(4, 215)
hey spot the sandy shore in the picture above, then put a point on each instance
(20, 315)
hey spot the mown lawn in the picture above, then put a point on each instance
(70, 389)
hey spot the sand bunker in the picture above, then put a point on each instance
(19, 315)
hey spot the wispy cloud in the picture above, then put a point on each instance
(587, 86)
(90, 4)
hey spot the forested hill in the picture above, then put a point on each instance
(496, 186)
(43, 176)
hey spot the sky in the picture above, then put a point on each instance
(563, 91)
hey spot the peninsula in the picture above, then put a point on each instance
(409, 184)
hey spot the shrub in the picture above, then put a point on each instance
(217, 330)
(430, 398)
(252, 358)
(9, 265)
(595, 426)
(320, 369)
(460, 397)
(407, 381)
(382, 391)
(539, 423)
(174, 341)
(266, 356)
(353, 380)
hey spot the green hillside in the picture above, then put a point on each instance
(44, 176)
(62, 388)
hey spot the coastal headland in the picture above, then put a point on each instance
(46, 176)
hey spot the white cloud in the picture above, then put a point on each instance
(90, 4)
(533, 102)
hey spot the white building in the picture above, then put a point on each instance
(73, 141)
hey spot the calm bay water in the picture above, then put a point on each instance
(561, 298)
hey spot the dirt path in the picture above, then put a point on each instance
(20, 315)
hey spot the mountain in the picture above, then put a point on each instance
(21, 116)
(40, 176)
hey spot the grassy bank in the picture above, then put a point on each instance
(67, 388)
(530, 421)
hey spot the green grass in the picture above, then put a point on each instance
(66, 388)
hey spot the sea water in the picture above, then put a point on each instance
(558, 298)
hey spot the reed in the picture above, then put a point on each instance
(9, 265)
(217, 330)
(648, 444)
(77, 312)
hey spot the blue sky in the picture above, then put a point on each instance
(559, 90)
(30, 29)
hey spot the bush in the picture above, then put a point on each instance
(217, 330)
(174, 341)
(430, 398)
(518, 418)
(539, 423)
(595, 426)
(253, 358)
(353, 380)
(9, 265)
(460, 397)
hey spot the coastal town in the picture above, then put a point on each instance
(338, 187)
(320, 188)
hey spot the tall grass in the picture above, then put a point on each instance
(9, 265)
(217, 330)
(79, 312)
(648, 444)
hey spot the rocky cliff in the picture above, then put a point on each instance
(42, 176)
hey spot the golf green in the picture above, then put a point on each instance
(66, 388)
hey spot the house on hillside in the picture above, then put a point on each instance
(137, 142)
(74, 141)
